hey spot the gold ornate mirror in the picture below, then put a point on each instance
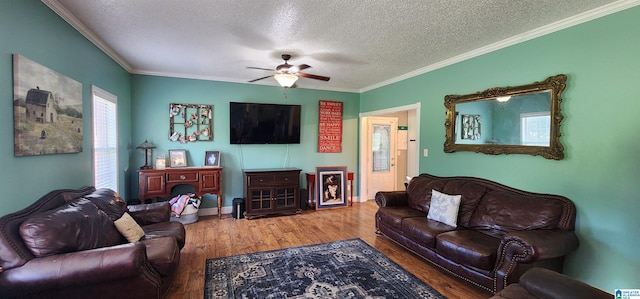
(507, 120)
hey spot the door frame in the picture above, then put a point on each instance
(413, 156)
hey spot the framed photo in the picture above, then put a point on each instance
(177, 158)
(212, 158)
(331, 182)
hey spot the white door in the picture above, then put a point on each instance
(381, 156)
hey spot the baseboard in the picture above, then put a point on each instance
(227, 210)
(213, 211)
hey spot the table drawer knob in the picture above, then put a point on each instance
(182, 177)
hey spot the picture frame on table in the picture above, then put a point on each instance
(212, 158)
(331, 182)
(177, 158)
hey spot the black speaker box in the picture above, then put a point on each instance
(238, 208)
(304, 199)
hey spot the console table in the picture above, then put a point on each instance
(159, 182)
(311, 186)
(271, 191)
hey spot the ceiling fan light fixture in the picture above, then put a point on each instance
(286, 80)
(503, 99)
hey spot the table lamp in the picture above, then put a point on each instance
(146, 146)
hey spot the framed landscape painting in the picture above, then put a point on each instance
(331, 182)
(47, 110)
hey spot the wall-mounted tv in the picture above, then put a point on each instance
(257, 123)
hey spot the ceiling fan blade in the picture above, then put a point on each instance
(259, 68)
(265, 77)
(310, 76)
(298, 68)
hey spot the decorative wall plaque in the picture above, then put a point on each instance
(190, 122)
(330, 127)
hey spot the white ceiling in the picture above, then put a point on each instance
(361, 45)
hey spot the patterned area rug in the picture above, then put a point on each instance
(343, 269)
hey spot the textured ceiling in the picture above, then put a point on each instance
(359, 44)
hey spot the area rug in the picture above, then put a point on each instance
(343, 269)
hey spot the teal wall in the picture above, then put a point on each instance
(601, 171)
(150, 110)
(31, 29)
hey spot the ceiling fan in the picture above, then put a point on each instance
(287, 74)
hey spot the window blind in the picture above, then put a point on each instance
(105, 140)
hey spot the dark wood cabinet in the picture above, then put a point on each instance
(271, 191)
(159, 182)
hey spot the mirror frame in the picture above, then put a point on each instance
(555, 84)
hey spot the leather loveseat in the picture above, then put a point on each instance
(500, 232)
(544, 283)
(66, 245)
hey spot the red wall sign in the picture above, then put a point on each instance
(330, 127)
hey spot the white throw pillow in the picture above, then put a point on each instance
(129, 228)
(444, 208)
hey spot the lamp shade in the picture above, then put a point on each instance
(286, 80)
(146, 145)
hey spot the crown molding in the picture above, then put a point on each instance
(229, 80)
(86, 32)
(538, 32)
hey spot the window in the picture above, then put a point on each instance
(535, 128)
(381, 148)
(105, 139)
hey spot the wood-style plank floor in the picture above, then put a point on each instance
(211, 237)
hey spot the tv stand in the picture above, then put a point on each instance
(271, 191)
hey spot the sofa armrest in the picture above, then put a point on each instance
(544, 283)
(392, 198)
(530, 246)
(524, 247)
(80, 268)
(150, 213)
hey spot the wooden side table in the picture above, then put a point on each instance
(311, 186)
(158, 182)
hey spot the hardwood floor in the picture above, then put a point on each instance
(211, 237)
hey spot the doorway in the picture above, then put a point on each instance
(381, 155)
(404, 154)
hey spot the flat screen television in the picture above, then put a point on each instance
(257, 123)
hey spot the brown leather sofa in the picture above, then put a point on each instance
(544, 283)
(65, 245)
(501, 232)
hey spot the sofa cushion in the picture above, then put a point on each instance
(469, 247)
(109, 202)
(471, 194)
(419, 194)
(129, 228)
(510, 212)
(444, 208)
(392, 216)
(423, 232)
(76, 226)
